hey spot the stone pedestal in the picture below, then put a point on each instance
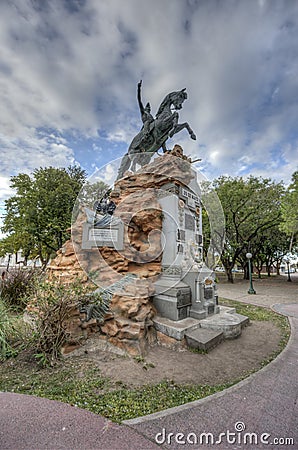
(154, 235)
(182, 259)
(172, 298)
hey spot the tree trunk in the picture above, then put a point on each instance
(42, 259)
(26, 257)
(230, 275)
(8, 262)
(291, 242)
(245, 270)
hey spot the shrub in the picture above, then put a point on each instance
(17, 285)
(53, 303)
(8, 331)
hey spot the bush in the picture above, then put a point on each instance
(8, 332)
(53, 303)
(17, 285)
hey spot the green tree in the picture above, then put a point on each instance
(251, 207)
(92, 192)
(269, 249)
(213, 223)
(38, 216)
(289, 210)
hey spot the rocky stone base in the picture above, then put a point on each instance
(129, 324)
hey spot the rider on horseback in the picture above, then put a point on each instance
(154, 132)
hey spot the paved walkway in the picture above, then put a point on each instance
(268, 290)
(262, 407)
(266, 402)
(33, 423)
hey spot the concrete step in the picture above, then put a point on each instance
(175, 328)
(203, 339)
(227, 323)
(244, 320)
(227, 309)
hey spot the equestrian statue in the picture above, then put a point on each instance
(155, 131)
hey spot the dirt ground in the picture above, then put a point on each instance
(229, 361)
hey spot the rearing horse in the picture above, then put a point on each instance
(154, 132)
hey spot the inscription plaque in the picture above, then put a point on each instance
(199, 238)
(103, 234)
(190, 195)
(103, 237)
(181, 235)
(189, 222)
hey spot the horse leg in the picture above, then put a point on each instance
(174, 124)
(164, 147)
(180, 127)
(125, 163)
(133, 162)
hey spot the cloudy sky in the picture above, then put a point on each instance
(69, 71)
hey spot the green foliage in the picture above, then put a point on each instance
(14, 332)
(17, 286)
(213, 223)
(86, 388)
(82, 385)
(290, 210)
(126, 404)
(270, 247)
(91, 192)
(6, 329)
(251, 207)
(39, 214)
(8, 244)
(54, 303)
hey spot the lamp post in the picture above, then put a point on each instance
(251, 289)
(287, 261)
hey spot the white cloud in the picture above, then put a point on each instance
(5, 190)
(73, 66)
(107, 173)
(33, 151)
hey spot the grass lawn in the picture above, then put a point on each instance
(80, 383)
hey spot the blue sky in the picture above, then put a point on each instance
(69, 71)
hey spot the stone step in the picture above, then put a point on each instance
(227, 309)
(229, 324)
(244, 320)
(175, 328)
(203, 339)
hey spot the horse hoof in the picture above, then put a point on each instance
(193, 136)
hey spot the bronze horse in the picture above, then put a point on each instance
(154, 132)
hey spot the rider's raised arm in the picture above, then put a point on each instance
(141, 106)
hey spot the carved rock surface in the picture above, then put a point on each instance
(128, 324)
